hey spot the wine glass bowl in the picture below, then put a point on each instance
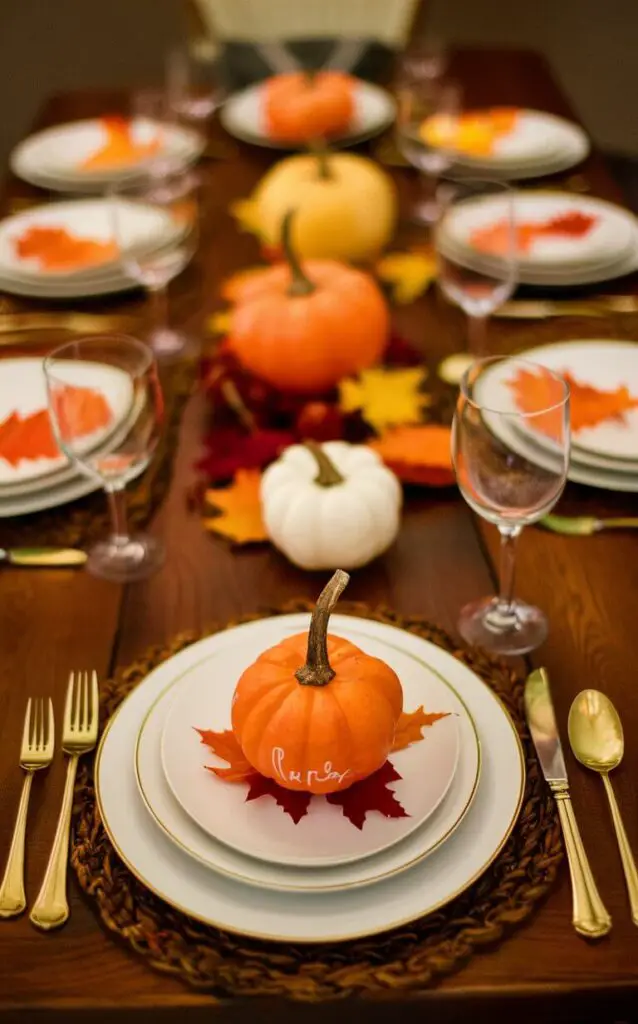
(417, 103)
(106, 408)
(510, 448)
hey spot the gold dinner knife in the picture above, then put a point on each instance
(43, 557)
(590, 918)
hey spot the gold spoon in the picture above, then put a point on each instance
(596, 737)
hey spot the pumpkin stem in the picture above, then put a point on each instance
(299, 284)
(328, 474)
(317, 671)
(236, 404)
(319, 149)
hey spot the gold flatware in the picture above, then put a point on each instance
(590, 918)
(584, 526)
(596, 736)
(542, 309)
(16, 323)
(36, 752)
(43, 557)
(79, 736)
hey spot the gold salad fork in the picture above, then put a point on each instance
(79, 736)
(38, 741)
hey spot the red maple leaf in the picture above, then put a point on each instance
(370, 794)
(229, 449)
(293, 802)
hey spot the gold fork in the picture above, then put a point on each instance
(79, 736)
(38, 741)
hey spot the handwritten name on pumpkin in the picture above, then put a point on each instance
(312, 775)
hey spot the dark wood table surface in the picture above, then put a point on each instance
(53, 621)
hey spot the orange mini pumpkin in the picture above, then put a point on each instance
(301, 105)
(303, 327)
(322, 726)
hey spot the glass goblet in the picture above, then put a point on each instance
(510, 447)
(156, 226)
(477, 281)
(419, 102)
(106, 409)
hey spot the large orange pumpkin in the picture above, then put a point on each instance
(300, 106)
(303, 327)
(316, 713)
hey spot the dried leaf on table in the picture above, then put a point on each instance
(246, 213)
(371, 794)
(238, 505)
(386, 397)
(225, 745)
(219, 323)
(293, 802)
(411, 725)
(228, 450)
(589, 406)
(418, 455)
(409, 274)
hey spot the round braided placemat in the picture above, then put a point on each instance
(408, 959)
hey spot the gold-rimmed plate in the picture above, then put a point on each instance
(294, 916)
(413, 840)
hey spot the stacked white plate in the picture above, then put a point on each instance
(539, 144)
(34, 484)
(608, 249)
(242, 116)
(53, 158)
(605, 455)
(245, 865)
(146, 229)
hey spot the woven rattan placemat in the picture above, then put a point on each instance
(81, 522)
(409, 959)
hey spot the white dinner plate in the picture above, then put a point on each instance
(182, 831)
(242, 117)
(311, 917)
(324, 836)
(543, 144)
(50, 158)
(23, 390)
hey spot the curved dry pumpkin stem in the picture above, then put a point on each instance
(328, 474)
(299, 284)
(319, 149)
(317, 670)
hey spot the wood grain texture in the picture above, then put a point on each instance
(52, 622)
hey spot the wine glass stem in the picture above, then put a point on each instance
(477, 336)
(504, 611)
(159, 306)
(117, 507)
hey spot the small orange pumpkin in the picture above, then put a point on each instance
(322, 726)
(303, 327)
(303, 105)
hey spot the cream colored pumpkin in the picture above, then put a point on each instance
(330, 505)
(345, 206)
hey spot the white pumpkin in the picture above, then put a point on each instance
(330, 505)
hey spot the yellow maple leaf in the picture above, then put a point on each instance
(239, 509)
(219, 323)
(409, 274)
(411, 725)
(246, 213)
(386, 397)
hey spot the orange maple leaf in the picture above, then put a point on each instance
(120, 149)
(225, 745)
(589, 406)
(411, 724)
(418, 455)
(239, 510)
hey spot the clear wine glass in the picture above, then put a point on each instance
(426, 60)
(417, 102)
(107, 410)
(475, 214)
(510, 447)
(156, 226)
(193, 88)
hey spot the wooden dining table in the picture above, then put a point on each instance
(52, 621)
